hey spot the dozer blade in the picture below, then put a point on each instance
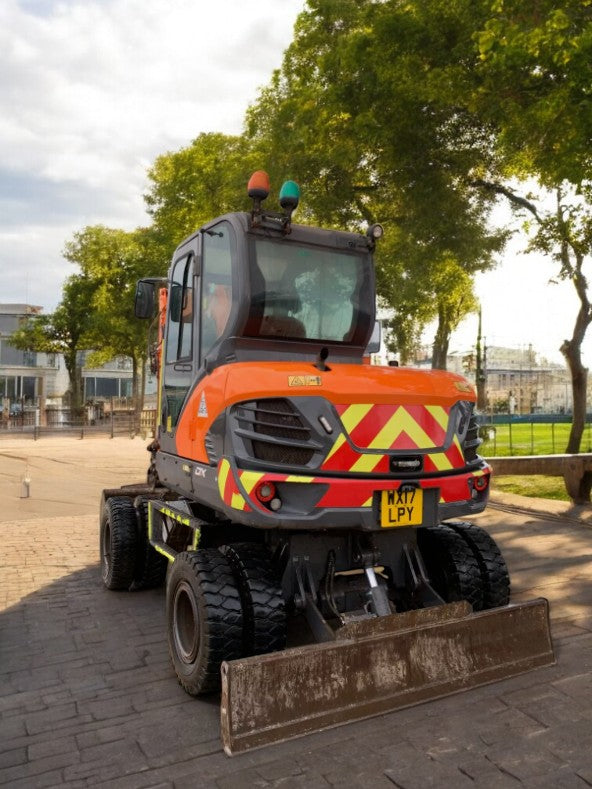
(379, 665)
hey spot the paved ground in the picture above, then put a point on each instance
(87, 695)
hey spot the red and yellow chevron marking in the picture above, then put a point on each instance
(229, 491)
(410, 428)
(342, 493)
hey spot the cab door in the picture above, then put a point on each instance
(180, 350)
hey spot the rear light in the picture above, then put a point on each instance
(481, 483)
(265, 491)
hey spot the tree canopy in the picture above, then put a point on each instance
(418, 114)
(533, 85)
(361, 112)
(113, 260)
(65, 331)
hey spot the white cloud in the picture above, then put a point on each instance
(91, 91)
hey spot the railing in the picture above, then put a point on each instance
(90, 421)
(532, 434)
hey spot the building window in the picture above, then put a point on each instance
(29, 386)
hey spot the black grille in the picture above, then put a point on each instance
(279, 419)
(278, 433)
(472, 440)
(289, 456)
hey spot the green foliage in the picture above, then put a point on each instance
(533, 86)
(363, 114)
(415, 114)
(66, 331)
(535, 80)
(194, 185)
(112, 260)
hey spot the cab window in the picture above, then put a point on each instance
(179, 343)
(303, 292)
(216, 296)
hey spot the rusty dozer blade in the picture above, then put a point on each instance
(379, 665)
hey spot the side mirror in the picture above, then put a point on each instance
(145, 303)
(376, 338)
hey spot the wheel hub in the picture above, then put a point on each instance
(185, 623)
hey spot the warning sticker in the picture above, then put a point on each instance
(304, 380)
(203, 409)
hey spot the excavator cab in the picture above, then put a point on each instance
(307, 508)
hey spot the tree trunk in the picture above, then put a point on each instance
(572, 350)
(579, 380)
(74, 373)
(441, 342)
(440, 350)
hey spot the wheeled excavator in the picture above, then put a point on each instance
(306, 510)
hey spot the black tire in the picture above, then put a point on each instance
(451, 565)
(494, 572)
(204, 618)
(118, 542)
(264, 610)
(151, 566)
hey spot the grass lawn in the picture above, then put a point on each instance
(531, 439)
(538, 486)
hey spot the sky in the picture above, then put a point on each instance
(92, 91)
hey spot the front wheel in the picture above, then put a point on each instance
(264, 610)
(451, 565)
(493, 569)
(204, 618)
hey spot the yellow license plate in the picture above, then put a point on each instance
(401, 507)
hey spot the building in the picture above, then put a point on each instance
(30, 378)
(517, 380)
(113, 379)
(26, 377)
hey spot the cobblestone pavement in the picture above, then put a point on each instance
(88, 697)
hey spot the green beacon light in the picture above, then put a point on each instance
(289, 196)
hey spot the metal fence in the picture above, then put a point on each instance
(530, 434)
(29, 423)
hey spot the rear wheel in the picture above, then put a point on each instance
(151, 566)
(494, 572)
(451, 565)
(264, 612)
(204, 618)
(118, 542)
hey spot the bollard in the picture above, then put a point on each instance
(25, 488)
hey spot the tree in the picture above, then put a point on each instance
(533, 88)
(361, 113)
(112, 261)
(194, 185)
(65, 331)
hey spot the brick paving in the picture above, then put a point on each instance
(88, 697)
